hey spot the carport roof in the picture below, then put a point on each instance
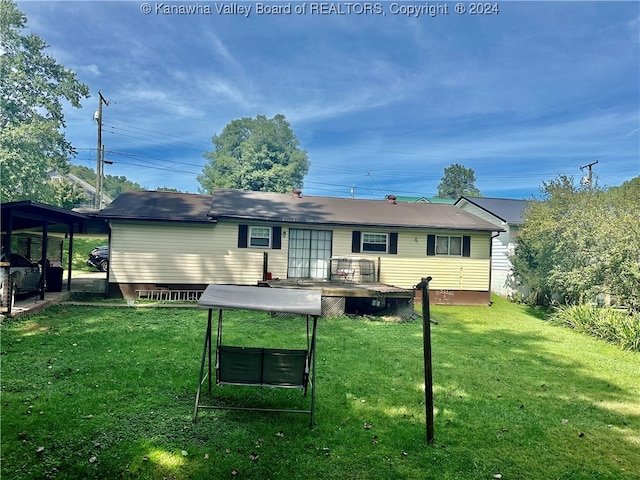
(31, 215)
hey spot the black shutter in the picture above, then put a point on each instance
(355, 241)
(393, 243)
(431, 245)
(276, 240)
(466, 246)
(243, 234)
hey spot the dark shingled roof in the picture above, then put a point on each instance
(287, 208)
(160, 206)
(506, 209)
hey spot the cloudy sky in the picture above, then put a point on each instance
(382, 96)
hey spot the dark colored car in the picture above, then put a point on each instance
(99, 258)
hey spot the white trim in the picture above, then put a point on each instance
(386, 242)
(251, 236)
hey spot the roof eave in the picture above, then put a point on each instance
(470, 228)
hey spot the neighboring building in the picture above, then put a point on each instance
(88, 189)
(186, 241)
(507, 214)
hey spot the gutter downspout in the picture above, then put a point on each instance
(491, 261)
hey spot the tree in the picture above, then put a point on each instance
(578, 242)
(32, 87)
(535, 253)
(458, 181)
(64, 193)
(258, 154)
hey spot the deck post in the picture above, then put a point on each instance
(426, 340)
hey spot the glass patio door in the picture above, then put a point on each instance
(309, 253)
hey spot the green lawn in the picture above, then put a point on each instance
(98, 392)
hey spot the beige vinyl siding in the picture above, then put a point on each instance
(189, 254)
(411, 263)
(201, 254)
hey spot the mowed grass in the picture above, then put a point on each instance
(98, 392)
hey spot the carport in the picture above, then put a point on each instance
(40, 219)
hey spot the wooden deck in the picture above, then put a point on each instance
(343, 289)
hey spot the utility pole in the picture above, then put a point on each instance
(99, 151)
(587, 180)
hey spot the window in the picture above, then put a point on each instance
(449, 245)
(446, 245)
(260, 237)
(374, 242)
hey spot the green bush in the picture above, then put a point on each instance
(617, 326)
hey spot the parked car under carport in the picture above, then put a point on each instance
(25, 275)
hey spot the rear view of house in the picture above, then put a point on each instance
(187, 241)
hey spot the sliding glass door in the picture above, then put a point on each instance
(309, 253)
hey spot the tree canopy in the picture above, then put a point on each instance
(258, 154)
(577, 242)
(32, 87)
(458, 181)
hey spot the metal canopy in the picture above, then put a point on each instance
(29, 214)
(272, 300)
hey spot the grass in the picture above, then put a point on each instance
(98, 392)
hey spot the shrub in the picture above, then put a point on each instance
(616, 326)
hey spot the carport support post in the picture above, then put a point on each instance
(43, 274)
(426, 339)
(70, 260)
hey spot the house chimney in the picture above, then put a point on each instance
(391, 198)
(297, 193)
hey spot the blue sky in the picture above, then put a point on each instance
(381, 102)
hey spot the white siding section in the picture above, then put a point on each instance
(502, 246)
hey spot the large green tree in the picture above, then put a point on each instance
(32, 88)
(258, 154)
(458, 181)
(577, 242)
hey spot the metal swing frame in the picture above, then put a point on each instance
(250, 366)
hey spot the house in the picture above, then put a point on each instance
(178, 241)
(507, 214)
(88, 189)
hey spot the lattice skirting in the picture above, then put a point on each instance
(332, 306)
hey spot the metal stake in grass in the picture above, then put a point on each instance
(426, 339)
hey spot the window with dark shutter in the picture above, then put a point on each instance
(276, 240)
(243, 234)
(393, 243)
(466, 246)
(355, 241)
(431, 245)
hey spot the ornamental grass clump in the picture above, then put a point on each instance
(616, 326)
